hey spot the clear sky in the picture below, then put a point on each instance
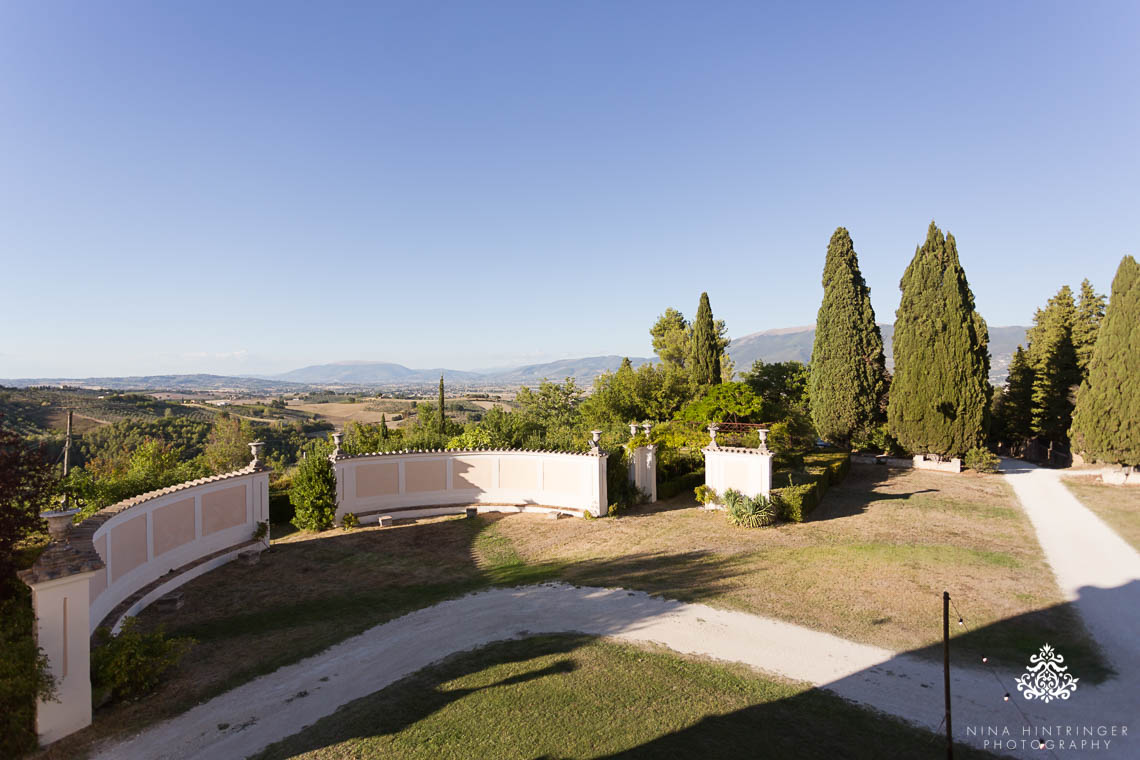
(250, 187)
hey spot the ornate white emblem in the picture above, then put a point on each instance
(1045, 677)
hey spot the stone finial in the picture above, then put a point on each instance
(712, 435)
(338, 438)
(255, 451)
(763, 439)
(59, 523)
(595, 440)
(633, 428)
(646, 427)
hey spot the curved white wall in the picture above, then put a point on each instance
(427, 482)
(145, 540)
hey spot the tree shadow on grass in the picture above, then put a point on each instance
(814, 723)
(862, 487)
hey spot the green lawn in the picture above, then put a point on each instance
(575, 697)
(870, 565)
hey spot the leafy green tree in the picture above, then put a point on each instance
(313, 492)
(1106, 423)
(849, 371)
(671, 337)
(781, 385)
(651, 392)
(227, 448)
(473, 437)
(939, 395)
(550, 416)
(724, 402)
(1055, 369)
(1013, 407)
(704, 362)
(26, 488)
(1090, 312)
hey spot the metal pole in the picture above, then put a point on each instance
(946, 670)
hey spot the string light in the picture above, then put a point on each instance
(1006, 696)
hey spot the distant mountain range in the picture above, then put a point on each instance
(787, 344)
(795, 344)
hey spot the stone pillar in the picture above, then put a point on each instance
(61, 597)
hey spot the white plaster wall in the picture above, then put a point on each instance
(62, 631)
(588, 471)
(256, 510)
(744, 470)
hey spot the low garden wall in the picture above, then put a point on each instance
(123, 557)
(748, 471)
(412, 483)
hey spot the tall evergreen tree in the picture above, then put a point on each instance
(1106, 423)
(940, 392)
(441, 420)
(1055, 370)
(706, 349)
(1014, 409)
(848, 369)
(383, 427)
(1090, 312)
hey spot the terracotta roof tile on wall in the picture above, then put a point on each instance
(77, 554)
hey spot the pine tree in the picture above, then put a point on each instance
(705, 361)
(1055, 369)
(440, 419)
(848, 369)
(1090, 312)
(940, 391)
(1014, 412)
(1106, 423)
(383, 427)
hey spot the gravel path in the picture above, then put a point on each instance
(283, 702)
(1096, 569)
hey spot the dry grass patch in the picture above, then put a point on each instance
(306, 594)
(870, 564)
(1119, 506)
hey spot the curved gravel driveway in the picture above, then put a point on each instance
(1094, 567)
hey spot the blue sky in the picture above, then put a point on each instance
(250, 187)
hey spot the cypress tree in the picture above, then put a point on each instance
(705, 362)
(848, 369)
(439, 413)
(1015, 411)
(383, 427)
(1055, 369)
(1106, 423)
(1090, 312)
(940, 391)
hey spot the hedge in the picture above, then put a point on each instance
(667, 489)
(796, 501)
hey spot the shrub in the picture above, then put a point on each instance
(620, 492)
(794, 503)
(313, 494)
(982, 459)
(131, 665)
(705, 495)
(280, 508)
(24, 672)
(670, 488)
(748, 511)
(805, 489)
(349, 521)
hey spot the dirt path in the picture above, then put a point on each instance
(1096, 569)
(248, 718)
